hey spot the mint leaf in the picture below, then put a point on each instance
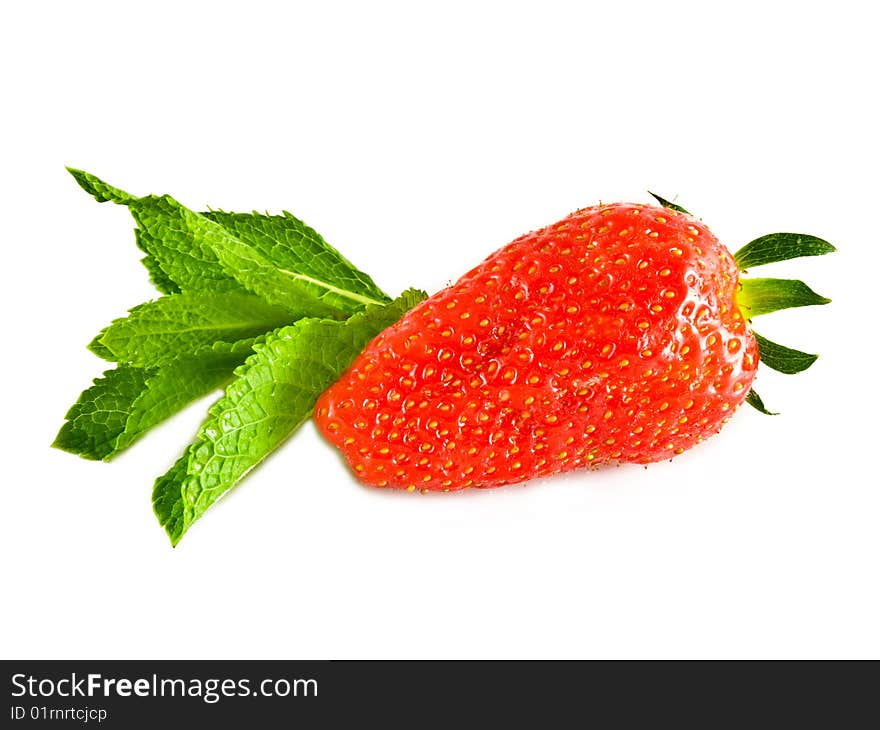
(98, 348)
(272, 394)
(167, 234)
(258, 274)
(103, 193)
(278, 258)
(158, 277)
(98, 189)
(167, 502)
(158, 332)
(126, 402)
(182, 381)
(290, 244)
(97, 419)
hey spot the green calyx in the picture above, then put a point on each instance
(783, 359)
(760, 296)
(754, 400)
(763, 296)
(776, 247)
(667, 203)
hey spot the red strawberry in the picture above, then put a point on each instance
(611, 336)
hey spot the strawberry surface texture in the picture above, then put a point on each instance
(611, 336)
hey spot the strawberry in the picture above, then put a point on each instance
(623, 333)
(619, 334)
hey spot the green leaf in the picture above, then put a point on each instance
(259, 275)
(668, 204)
(290, 244)
(276, 257)
(97, 188)
(103, 193)
(126, 402)
(98, 348)
(754, 400)
(177, 238)
(97, 419)
(158, 277)
(272, 394)
(762, 296)
(178, 383)
(780, 247)
(169, 233)
(159, 332)
(782, 359)
(167, 502)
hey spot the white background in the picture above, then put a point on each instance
(419, 141)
